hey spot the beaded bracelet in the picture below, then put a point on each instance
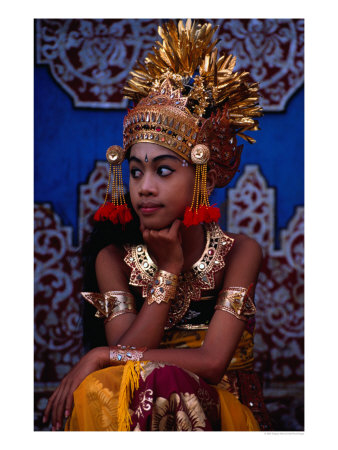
(163, 288)
(125, 353)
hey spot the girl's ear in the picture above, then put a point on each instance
(211, 180)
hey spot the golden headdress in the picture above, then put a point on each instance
(191, 102)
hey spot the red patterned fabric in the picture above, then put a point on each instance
(58, 330)
(172, 399)
(279, 336)
(251, 395)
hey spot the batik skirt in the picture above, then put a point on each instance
(151, 396)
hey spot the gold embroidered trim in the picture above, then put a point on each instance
(187, 326)
(229, 382)
(235, 300)
(111, 304)
(190, 283)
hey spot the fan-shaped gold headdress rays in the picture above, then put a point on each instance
(187, 57)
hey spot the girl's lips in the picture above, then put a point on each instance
(147, 210)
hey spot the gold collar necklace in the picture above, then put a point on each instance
(199, 277)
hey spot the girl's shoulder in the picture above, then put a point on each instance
(114, 251)
(112, 257)
(111, 271)
(243, 262)
(244, 246)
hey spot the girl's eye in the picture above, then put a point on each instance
(164, 171)
(135, 173)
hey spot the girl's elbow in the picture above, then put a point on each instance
(214, 371)
(214, 377)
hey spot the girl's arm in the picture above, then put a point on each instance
(147, 327)
(144, 329)
(211, 360)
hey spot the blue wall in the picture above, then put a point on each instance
(69, 140)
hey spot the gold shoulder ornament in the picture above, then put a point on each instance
(111, 304)
(236, 301)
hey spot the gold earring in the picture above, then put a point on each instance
(117, 211)
(200, 209)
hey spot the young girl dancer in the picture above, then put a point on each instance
(177, 299)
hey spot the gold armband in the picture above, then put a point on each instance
(235, 300)
(163, 288)
(125, 353)
(111, 304)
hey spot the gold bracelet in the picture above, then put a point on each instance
(235, 300)
(111, 303)
(125, 353)
(163, 288)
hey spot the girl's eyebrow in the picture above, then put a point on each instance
(157, 158)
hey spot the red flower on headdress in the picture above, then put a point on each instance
(116, 214)
(103, 212)
(123, 214)
(188, 216)
(211, 214)
(204, 214)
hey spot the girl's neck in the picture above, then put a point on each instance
(193, 244)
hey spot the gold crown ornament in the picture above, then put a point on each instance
(192, 103)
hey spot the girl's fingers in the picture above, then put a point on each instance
(69, 403)
(153, 234)
(61, 404)
(58, 407)
(174, 229)
(53, 415)
(49, 406)
(145, 235)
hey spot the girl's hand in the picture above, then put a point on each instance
(60, 403)
(165, 246)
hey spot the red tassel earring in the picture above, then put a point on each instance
(117, 211)
(200, 209)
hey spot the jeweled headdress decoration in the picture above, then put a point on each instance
(188, 58)
(190, 101)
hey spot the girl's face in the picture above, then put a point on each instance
(161, 185)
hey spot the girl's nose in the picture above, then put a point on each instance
(147, 185)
